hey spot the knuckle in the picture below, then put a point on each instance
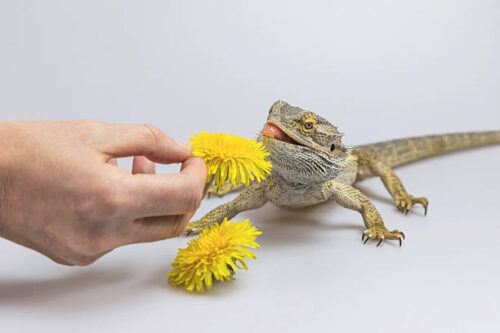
(88, 244)
(193, 199)
(101, 202)
(152, 134)
(107, 204)
(93, 234)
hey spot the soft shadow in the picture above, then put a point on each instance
(285, 227)
(34, 292)
(158, 280)
(92, 287)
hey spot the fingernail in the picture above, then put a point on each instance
(183, 145)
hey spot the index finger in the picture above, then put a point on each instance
(169, 194)
(121, 140)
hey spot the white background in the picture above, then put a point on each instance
(376, 69)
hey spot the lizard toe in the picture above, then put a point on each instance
(406, 203)
(380, 234)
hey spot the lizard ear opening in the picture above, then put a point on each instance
(332, 147)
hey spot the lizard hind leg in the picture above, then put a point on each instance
(369, 166)
(405, 203)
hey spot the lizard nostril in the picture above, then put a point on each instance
(332, 148)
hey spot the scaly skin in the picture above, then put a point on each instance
(370, 165)
(311, 165)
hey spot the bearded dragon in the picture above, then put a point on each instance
(310, 165)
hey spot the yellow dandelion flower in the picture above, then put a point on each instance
(215, 254)
(232, 158)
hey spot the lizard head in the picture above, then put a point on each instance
(304, 147)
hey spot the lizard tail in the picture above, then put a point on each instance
(402, 151)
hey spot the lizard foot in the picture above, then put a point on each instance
(380, 233)
(214, 190)
(195, 227)
(405, 203)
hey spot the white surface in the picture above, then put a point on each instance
(377, 69)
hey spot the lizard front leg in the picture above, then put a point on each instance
(251, 198)
(368, 165)
(351, 198)
(215, 190)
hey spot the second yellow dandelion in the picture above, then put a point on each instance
(215, 255)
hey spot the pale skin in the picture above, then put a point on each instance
(62, 194)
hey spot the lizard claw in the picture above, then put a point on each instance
(194, 228)
(406, 203)
(380, 233)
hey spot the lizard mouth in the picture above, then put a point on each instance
(274, 132)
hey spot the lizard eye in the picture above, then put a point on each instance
(307, 124)
(332, 148)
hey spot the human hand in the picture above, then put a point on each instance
(62, 194)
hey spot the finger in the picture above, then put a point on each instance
(184, 144)
(169, 194)
(152, 229)
(141, 164)
(120, 140)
